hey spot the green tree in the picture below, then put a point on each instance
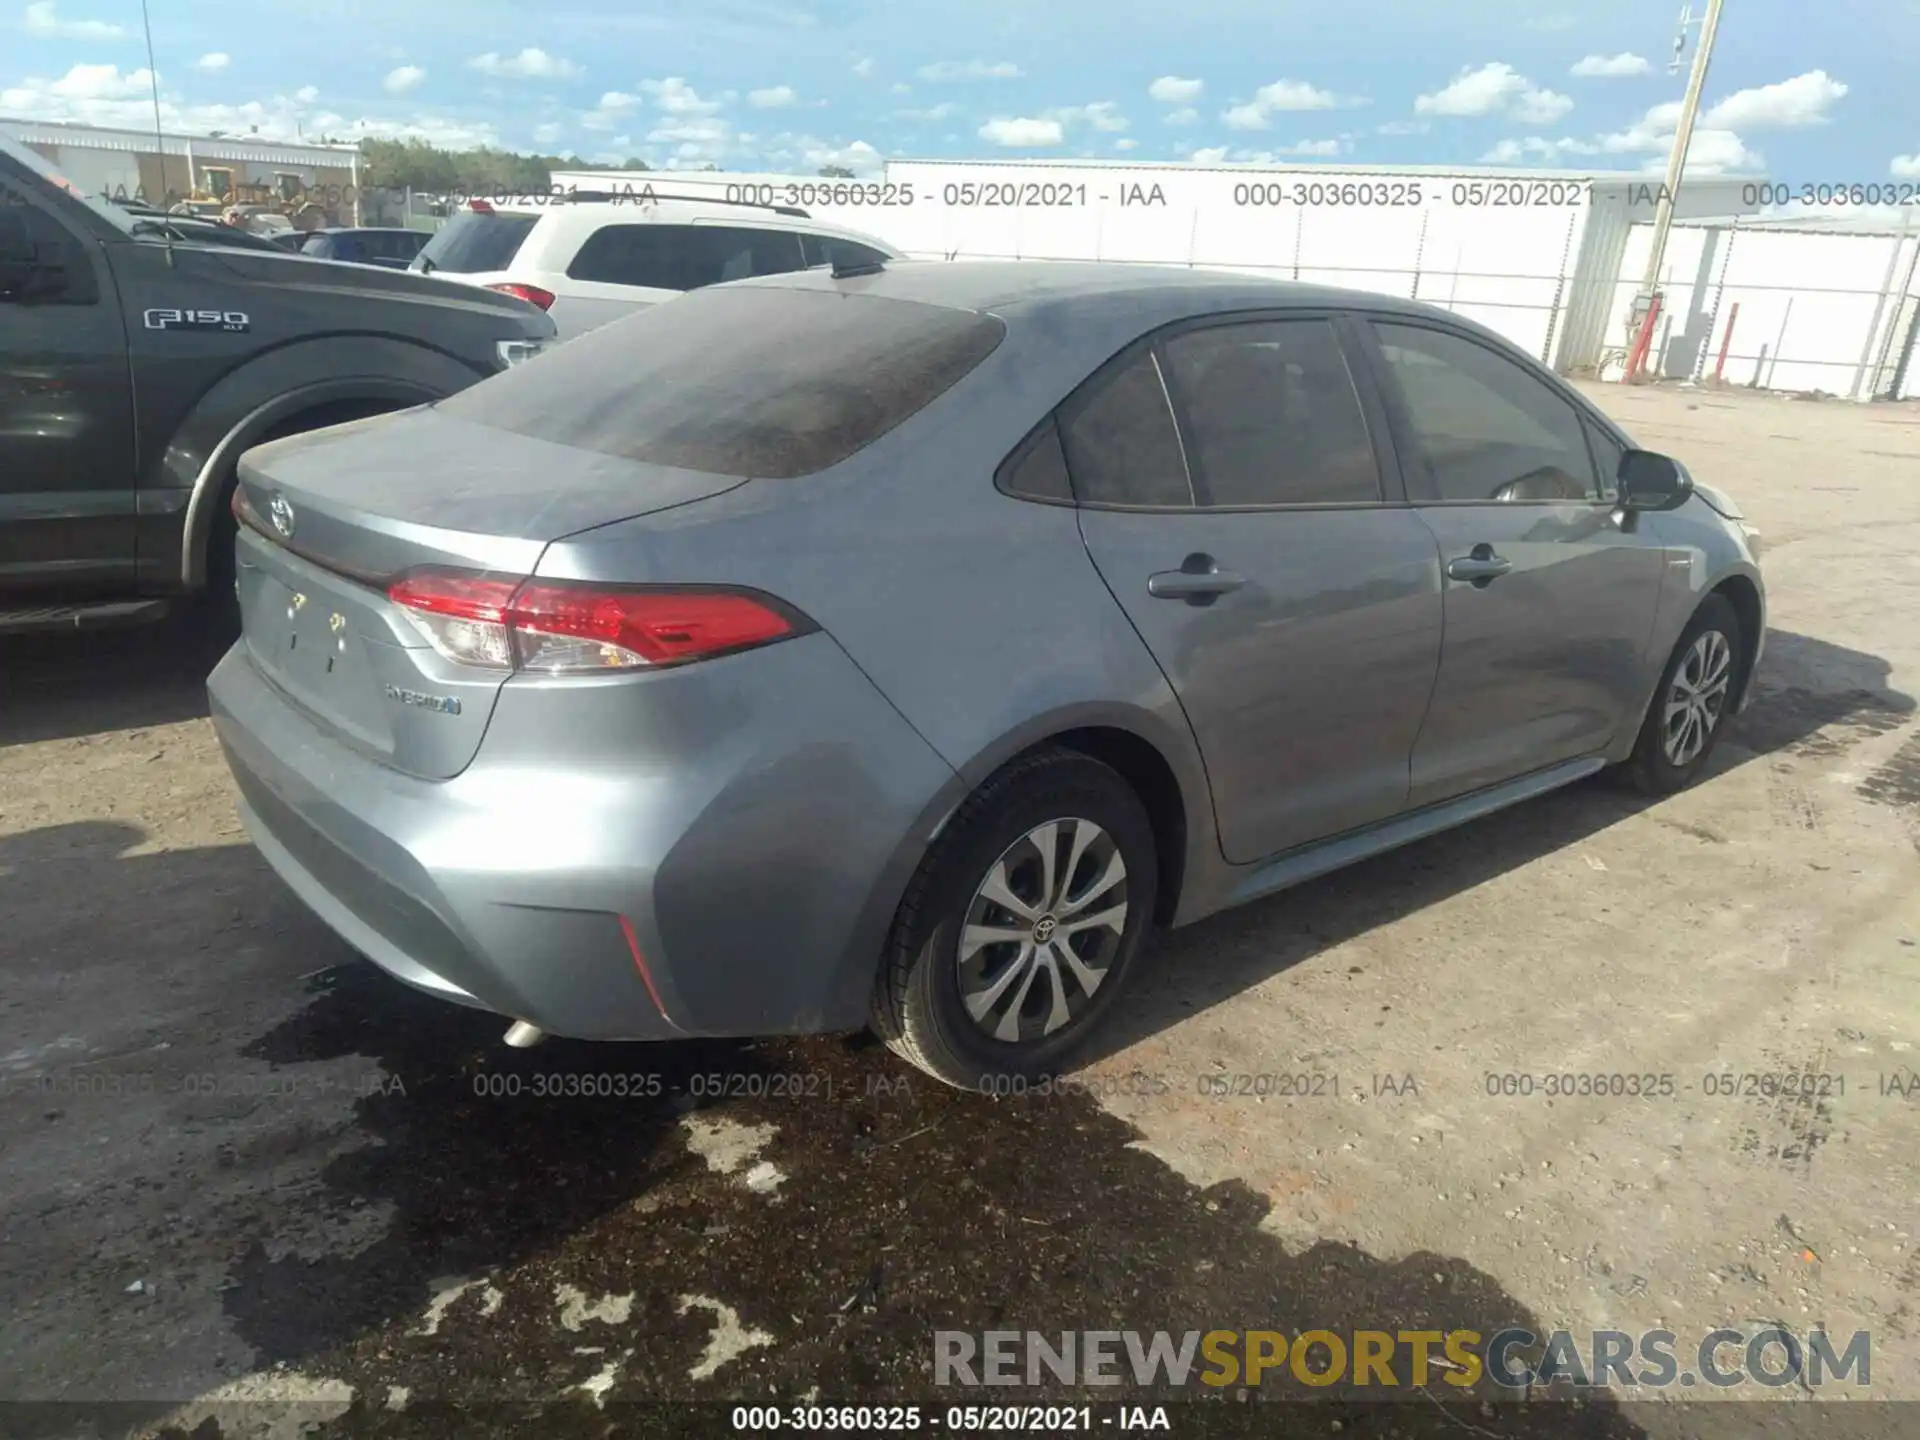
(836, 172)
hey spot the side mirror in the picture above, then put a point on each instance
(1649, 481)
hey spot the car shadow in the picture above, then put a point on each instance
(1812, 699)
(316, 1223)
(65, 685)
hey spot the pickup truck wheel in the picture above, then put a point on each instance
(219, 602)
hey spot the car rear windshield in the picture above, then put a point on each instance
(749, 380)
(471, 242)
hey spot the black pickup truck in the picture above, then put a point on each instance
(135, 367)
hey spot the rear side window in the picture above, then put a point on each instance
(1271, 416)
(684, 257)
(320, 245)
(1038, 469)
(1122, 448)
(758, 381)
(471, 242)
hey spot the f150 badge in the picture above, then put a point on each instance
(231, 321)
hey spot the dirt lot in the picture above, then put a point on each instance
(236, 1164)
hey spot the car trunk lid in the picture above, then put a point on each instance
(334, 516)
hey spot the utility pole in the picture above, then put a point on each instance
(1682, 138)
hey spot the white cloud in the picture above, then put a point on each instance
(214, 60)
(1537, 149)
(1126, 144)
(529, 64)
(1280, 96)
(1172, 90)
(1403, 127)
(1612, 66)
(1494, 89)
(1023, 133)
(615, 109)
(551, 131)
(1212, 155)
(857, 156)
(944, 110)
(1905, 167)
(1101, 115)
(1185, 116)
(101, 95)
(863, 66)
(1713, 149)
(900, 87)
(696, 140)
(1803, 100)
(307, 94)
(676, 97)
(43, 20)
(402, 79)
(971, 70)
(1540, 107)
(1475, 92)
(773, 98)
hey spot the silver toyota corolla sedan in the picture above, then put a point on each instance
(898, 648)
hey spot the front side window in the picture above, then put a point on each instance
(684, 257)
(1270, 416)
(1483, 429)
(1122, 447)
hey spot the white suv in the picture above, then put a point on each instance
(587, 259)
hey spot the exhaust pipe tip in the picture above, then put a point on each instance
(523, 1036)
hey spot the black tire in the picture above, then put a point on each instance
(918, 1005)
(1652, 768)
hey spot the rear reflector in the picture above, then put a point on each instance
(532, 294)
(564, 628)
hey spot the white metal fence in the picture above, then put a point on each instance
(1816, 311)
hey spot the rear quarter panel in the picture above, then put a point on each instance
(980, 617)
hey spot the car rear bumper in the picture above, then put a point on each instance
(714, 850)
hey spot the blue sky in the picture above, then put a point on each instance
(1803, 93)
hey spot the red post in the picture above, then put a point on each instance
(1726, 342)
(1638, 355)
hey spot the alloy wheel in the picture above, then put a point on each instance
(1042, 929)
(1696, 698)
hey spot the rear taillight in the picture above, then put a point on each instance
(532, 294)
(569, 629)
(480, 207)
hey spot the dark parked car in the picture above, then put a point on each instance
(393, 248)
(902, 645)
(137, 362)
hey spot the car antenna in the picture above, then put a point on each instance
(159, 136)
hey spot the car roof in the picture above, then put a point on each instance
(1010, 287)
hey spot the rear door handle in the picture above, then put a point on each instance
(1482, 567)
(1198, 581)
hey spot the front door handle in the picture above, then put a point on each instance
(1198, 581)
(1482, 566)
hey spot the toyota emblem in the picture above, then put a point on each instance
(281, 511)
